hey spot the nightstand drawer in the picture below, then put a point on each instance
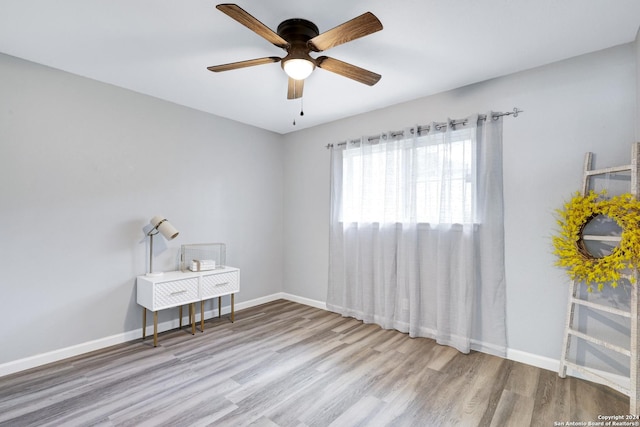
(177, 292)
(214, 285)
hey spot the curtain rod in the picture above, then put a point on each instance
(426, 128)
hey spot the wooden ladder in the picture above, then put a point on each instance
(574, 300)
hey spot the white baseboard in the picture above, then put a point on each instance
(554, 366)
(64, 353)
(533, 359)
(306, 301)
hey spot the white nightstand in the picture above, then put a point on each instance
(177, 288)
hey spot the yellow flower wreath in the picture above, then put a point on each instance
(570, 249)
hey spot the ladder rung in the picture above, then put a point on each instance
(601, 307)
(608, 170)
(605, 344)
(599, 378)
(601, 238)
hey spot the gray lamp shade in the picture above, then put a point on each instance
(164, 227)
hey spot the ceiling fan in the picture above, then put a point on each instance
(299, 37)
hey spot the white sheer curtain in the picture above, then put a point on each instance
(417, 236)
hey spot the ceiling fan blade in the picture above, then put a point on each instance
(361, 26)
(295, 88)
(243, 64)
(347, 70)
(242, 16)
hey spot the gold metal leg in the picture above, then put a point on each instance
(180, 316)
(144, 322)
(219, 306)
(155, 328)
(193, 318)
(233, 311)
(202, 316)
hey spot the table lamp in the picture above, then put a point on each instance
(162, 226)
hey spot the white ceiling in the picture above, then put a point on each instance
(162, 48)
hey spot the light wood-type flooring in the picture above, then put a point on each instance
(287, 364)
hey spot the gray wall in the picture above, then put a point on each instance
(83, 167)
(578, 105)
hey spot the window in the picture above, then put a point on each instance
(425, 180)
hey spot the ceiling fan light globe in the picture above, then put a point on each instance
(298, 69)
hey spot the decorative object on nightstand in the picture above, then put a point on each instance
(203, 256)
(162, 226)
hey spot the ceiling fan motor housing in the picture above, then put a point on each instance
(298, 32)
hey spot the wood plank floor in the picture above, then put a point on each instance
(287, 364)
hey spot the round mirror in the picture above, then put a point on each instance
(599, 236)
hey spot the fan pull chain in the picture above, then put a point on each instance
(301, 111)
